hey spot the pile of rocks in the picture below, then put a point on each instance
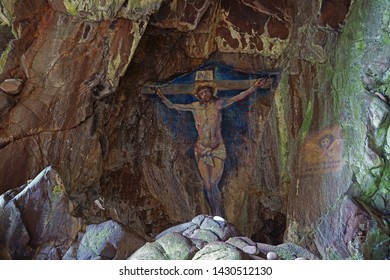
(212, 238)
(8, 89)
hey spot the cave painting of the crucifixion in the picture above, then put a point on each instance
(209, 149)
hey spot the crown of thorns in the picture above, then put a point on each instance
(205, 79)
(211, 86)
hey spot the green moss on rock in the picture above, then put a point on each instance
(7, 11)
(110, 9)
(3, 58)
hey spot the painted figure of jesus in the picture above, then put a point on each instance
(210, 151)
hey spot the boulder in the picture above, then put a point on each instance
(291, 251)
(108, 240)
(204, 238)
(41, 224)
(204, 227)
(150, 251)
(4, 226)
(220, 251)
(173, 246)
(245, 244)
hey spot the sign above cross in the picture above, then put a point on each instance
(224, 78)
(222, 85)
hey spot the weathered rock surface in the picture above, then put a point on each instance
(83, 64)
(358, 234)
(37, 222)
(220, 251)
(108, 240)
(5, 253)
(100, 11)
(65, 74)
(6, 103)
(363, 120)
(41, 224)
(11, 86)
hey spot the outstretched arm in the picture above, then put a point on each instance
(259, 83)
(169, 104)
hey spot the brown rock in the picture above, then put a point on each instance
(333, 13)
(12, 86)
(6, 102)
(80, 148)
(89, 59)
(259, 33)
(181, 15)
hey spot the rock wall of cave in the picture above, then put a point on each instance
(83, 66)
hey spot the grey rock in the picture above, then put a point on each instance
(205, 235)
(220, 251)
(289, 251)
(245, 244)
(177, 247)
(178, 228)
(265, 248)
(223, 230)
(251, 250)
(108, 240)
(198, 243)
(150, 251)
(240, 242)
(173, 246)
(198, 220)
(41, 224)
(272, 256)
(190, 231)
(71, 253)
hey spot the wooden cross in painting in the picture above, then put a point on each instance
(210, 151)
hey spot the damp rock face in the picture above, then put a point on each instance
(360, 234)
(83, 65)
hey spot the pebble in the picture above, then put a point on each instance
(219, 219)
(251, 250)
(272, 256)
(11, 86)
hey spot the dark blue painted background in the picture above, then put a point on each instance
(234, 118)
